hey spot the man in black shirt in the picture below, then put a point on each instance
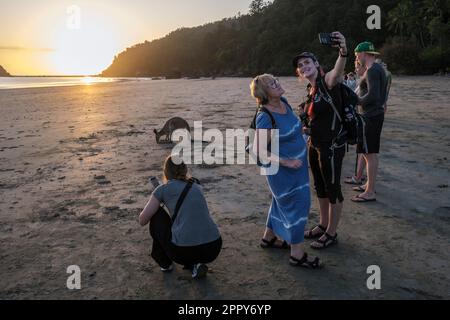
(372, 106)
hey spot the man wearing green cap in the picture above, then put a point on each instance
(372, 106)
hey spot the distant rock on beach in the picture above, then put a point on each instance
(4, 73)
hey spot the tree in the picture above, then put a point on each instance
(400, 17)
(257, 6)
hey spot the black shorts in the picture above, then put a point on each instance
(326, 167)
(371, 141)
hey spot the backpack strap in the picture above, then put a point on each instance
(182, 197)
(195, 180)
(329, 99)
(286, 102)
(272, 119)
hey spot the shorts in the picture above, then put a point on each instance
(372, 135)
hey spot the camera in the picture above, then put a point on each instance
(154, 182)
(327, 39)
(304, 119)
(303, 115)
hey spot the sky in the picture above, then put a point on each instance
(81, 37)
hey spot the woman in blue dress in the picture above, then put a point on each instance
(289, 184)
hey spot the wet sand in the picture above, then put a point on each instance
(74, 169)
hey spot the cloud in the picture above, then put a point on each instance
(16, 48)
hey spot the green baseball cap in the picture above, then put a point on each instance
(367, 47)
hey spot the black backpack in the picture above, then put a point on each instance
(353, 123)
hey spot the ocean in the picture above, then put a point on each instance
(39, 82)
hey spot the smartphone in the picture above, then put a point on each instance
(327, 39)
(154, 182)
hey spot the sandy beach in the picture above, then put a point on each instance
(74, 169)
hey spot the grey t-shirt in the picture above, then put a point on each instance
(193, 225)
(372, 103)
(361, 90)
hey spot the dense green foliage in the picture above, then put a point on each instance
(413, 38)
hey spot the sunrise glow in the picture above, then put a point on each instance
(82, 37)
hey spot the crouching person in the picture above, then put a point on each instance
(187, 234)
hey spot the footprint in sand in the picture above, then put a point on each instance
(119, 213)
(128, 201)
(108, 210)
(101, 180)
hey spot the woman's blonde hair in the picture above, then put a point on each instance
(174, 171)
(258, 87)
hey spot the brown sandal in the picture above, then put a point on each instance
(322, 244)
(305, 263)
(310, 235)
(265, 244)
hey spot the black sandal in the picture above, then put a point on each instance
(329, 240)
(265, 244)
(309, 234)
(305, 263)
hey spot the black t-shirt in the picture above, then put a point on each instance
(325, 125)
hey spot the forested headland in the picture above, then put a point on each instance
(413, 39)
(3, 72)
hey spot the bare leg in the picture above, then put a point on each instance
(298, 250)
(324, 205)
(323, 212)
(269, 235)
(335, 216)
(335, 212)
(372, 169)
(360, 167)
(364, 159)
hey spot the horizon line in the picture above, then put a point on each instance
(56, 76)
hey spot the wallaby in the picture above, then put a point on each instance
(171, 125)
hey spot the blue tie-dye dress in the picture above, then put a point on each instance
(291, 199)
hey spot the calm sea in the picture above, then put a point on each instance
(36, 82)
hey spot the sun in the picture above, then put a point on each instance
(87, 50)
(88, 80)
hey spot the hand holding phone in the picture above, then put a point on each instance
(154, 182)
(327, 39)
(334, 39)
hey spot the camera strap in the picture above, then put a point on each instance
(181, 198)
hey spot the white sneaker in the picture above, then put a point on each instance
(168, 269)
(199, 271)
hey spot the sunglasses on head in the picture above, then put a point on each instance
(275, 83)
